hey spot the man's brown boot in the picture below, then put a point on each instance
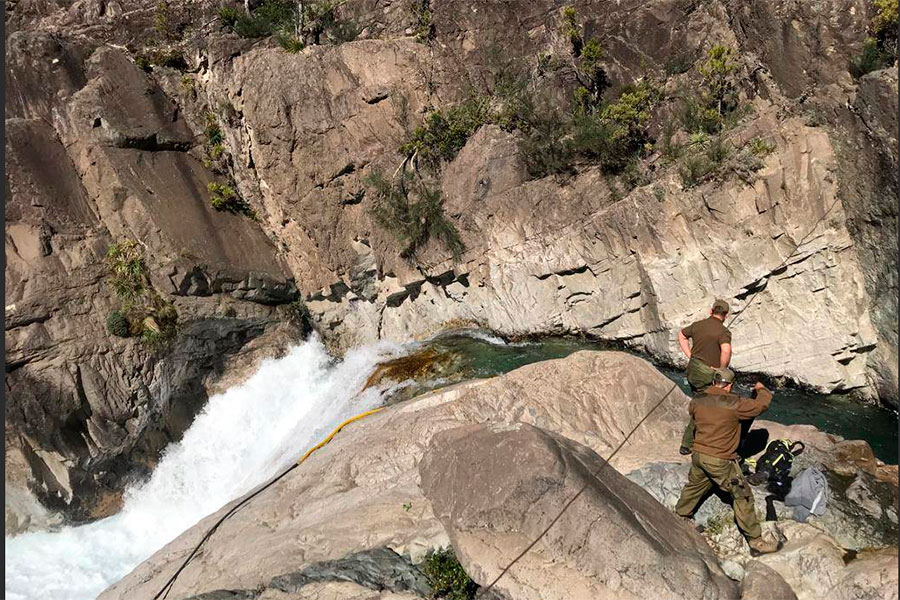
(760, 545)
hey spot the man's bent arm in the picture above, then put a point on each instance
(685, 345)
(749, 408)
(724, 355)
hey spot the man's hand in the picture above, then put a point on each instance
(758, 386)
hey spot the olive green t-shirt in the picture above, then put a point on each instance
(706, 336)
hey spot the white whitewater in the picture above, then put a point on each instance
(243, 437)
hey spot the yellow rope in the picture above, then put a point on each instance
(164, 592)
(337, 429)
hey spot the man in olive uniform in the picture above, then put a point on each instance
(718, 414)
(709, 348)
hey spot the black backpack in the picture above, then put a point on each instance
(774, 466)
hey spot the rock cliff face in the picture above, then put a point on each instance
(102, 147)
(485, 466)
(97, 153)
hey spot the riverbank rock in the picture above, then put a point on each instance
(405, 480)
(495, 491)
(763, 583)
(862, 501)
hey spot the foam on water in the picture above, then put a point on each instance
(482, 335)
(242, 437)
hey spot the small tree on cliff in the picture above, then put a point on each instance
(719, 81)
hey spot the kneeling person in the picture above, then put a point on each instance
(717, 414)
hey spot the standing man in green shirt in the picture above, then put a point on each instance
(707, 344)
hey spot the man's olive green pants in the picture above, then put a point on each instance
(708, 471)
(699, 376)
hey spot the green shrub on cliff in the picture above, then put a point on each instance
(445, 131)
(127, 269)
(446, 576)
(870, 59)
(223, 197)
(761, 147)
(718, 92)
(597, 141)
(213, 132)
(718, 73)
(424, 20)
(546, 149)
(162, 20)
(229, 16)
(289, 42)
(703, 161)
(217, 157)
(611, 136)
(413, 212)
(880, 47)
(143, 310)
(680, 63)
(884, 23)
(294, 25)
(591, 75)
(570, 29)
(587, 58)
(117, 324)
(630, 114)
(513, 103)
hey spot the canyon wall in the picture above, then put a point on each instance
(104, 146)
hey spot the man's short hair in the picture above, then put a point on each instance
(720, 307)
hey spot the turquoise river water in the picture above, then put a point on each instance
(477, 354)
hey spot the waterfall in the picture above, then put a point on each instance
(242, 437)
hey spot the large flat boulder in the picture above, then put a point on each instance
(496, 489)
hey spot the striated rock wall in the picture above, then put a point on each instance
(97, 153)
(556, 257)
(638, 268)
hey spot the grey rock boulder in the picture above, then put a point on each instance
(763, 583)
(871, 576)
(496, 489)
